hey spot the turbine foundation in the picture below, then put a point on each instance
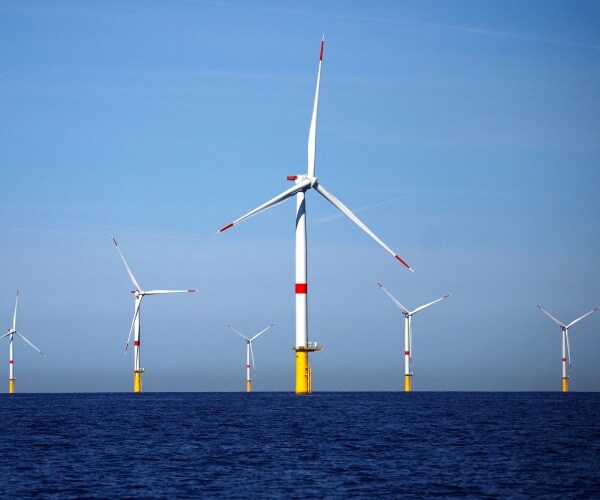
(137, 381)
(248, 385)
(565, 384)
(11, 385)
(303, 369)
(407, 383)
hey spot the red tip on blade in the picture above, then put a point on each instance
(404, 263)
(132, 291)
(380, 284)
(446, 296)
(322, 47)
(192, 290)
(226, 227)
(292, 177)
(115, 241)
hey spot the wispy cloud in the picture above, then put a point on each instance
(338, 215)
(382, 20)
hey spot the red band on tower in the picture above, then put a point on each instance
(407, 353)
(301, 288)
(11, 362)
(564, 360)
(136, 343)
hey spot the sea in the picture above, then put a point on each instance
(279, 445)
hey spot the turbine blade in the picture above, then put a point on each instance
(271, 203)
(346, 211)
(239, 333)
(23, 337)
(15, 315)
(312, 132)
(7, 334)
(402, 308)
(559, 323)
(161, 292)
(430, 304)
(135, 315)
(262, 331)
(133, 280)
(568, 347)
(252, 356)
(581, 317)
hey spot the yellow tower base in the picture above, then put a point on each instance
(248, 385)
(11, 385)
(303, 369)
(407, 383)
(565, 384)
(302, 373)
(137, 381)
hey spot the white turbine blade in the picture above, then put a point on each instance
(312, 133)
(346, 211)
(239, 333)
(252, 356)
(133, 280)
(263, 331)
(568, 347)
(23, 337)
(15, 315)
(430, 304)
(161, 292)
(402, 308)
(271, 203)
(135, 315)
(559, 323)
(7, 334)
(580, 318)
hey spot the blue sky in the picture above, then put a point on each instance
(464, 134)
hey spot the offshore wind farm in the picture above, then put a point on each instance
(462, 139)
(482, 179)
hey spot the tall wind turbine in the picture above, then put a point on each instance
(566, 350)
(250, 353)
(408, 334)
(139, 294)
(302, 183)
(11, 353)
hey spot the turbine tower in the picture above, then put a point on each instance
(139, 294)
(408, 334)
(11, 353)
(250, 353)
(303, 183)
(566, 350)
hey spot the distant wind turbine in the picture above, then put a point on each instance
(303, 183)
(566, 350)
(408, 334)
(11, 354)
(250, 353)
(139, 294)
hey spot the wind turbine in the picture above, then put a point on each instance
(250, 353)
(566, 350)
(11, 353)
(303, 183)
(139, 294)
(408, 334)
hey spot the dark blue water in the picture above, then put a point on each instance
(327, 445)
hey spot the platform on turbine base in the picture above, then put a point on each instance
(309, 347)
